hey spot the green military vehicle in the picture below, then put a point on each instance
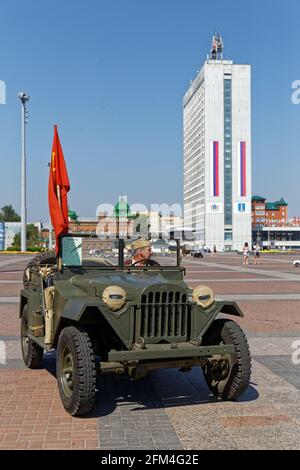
(107, 315)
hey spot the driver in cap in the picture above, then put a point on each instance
(141, 253)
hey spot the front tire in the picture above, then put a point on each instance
(32, 353)
(229, 377)
(75, 371)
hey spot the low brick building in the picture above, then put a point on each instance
(269, 213)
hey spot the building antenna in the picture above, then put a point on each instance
(216, 52)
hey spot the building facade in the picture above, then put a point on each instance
(269, 213)
(258, 210)
(217, 154)
(2, 236)
(277, 212)
(270, 237)
(10, 230)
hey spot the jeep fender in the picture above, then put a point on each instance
(75, 309)
(229, 307)
(220, 306)
(30, 297)
(23, 302)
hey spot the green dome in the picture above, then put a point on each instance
(72, 214)
(122, 208)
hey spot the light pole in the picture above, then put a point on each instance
(24, 98)
(50, 226)
(258, 235)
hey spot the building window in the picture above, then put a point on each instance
(227, 154)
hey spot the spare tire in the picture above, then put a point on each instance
(48, 257)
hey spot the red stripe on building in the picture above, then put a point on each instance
(216, 168)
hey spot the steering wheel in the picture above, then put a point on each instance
(147, 263)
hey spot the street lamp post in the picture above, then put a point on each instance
(24, 98)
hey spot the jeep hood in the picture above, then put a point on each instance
(129, 281)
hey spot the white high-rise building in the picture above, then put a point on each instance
(217, 153)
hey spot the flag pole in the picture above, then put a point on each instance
(58, 195)
(59, 263)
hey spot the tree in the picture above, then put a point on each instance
(32, 237)
(8, 214)
(17, 241)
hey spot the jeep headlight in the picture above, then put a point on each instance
(114, 297)
(203, 296)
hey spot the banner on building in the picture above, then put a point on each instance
(242, 207)
(214, 208)
(214, 169)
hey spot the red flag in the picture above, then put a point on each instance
(57, 190)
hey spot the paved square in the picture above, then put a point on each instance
(168, 409)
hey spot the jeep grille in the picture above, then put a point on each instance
(164, 316)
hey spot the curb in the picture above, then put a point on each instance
(19, 252)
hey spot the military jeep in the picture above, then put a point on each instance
(107, 315)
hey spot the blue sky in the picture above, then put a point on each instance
(112, 75)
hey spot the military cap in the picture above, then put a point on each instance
(140, 243)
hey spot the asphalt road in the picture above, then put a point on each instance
(169, 409)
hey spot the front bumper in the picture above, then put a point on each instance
(170, 351)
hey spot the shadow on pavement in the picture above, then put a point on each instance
(160, 389)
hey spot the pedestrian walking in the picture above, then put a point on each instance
(246, 253)
(256, 249)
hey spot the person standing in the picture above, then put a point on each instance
(246, 253)
(256, 253)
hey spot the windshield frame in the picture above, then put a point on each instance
(121, 258)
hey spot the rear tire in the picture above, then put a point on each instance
(32, 353)
(76, 371)
(48, 257)
(232, 379)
